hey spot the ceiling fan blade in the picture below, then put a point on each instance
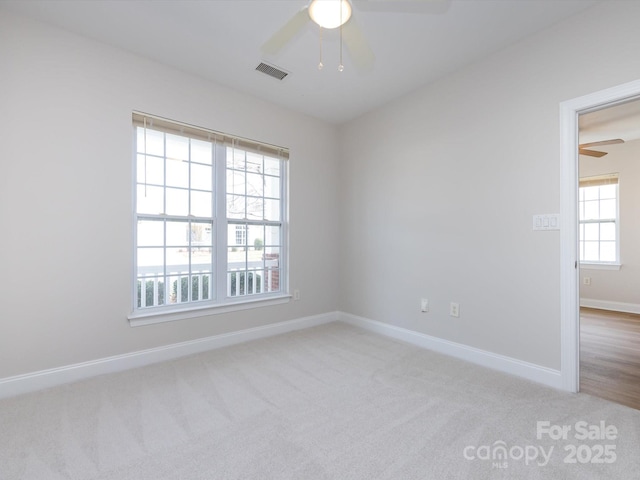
(359, 50)
(404, 6)
(614, 141)
(286, 33)
(591, 153)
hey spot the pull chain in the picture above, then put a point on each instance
(145, 157)
(341, 66)
(320, 65)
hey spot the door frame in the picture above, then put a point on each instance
(569, 271)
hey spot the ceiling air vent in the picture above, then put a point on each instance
(271, 71)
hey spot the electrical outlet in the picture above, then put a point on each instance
(454, 309)
(296, 295)
(586, 280)
(424, 305)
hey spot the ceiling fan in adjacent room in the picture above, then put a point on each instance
(584, 148)
(331, 14)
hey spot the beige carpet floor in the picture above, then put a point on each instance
(331, 402)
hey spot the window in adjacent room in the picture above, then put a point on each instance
(210, 218)
(599, 222)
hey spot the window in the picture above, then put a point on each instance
(598, 213)
(241, 234)
(209, 218)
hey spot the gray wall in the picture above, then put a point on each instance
(440, 188)
(66, 196)
(431, 196)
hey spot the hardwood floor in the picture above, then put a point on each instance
(610, 355)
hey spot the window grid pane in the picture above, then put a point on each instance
(598, 211)
(175, 254)
(255, 229)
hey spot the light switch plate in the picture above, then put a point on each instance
(549, 221)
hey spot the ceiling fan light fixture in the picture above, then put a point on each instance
(330, 13)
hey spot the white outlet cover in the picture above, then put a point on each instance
(424, 305)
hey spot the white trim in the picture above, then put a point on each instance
(569, 303)
(569, 329)
(502, 363)
(191, 310)
(53, 377)
(600, 266)
(609, 305)
(30, 382)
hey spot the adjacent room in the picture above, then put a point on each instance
(328, 239)
(609, 232)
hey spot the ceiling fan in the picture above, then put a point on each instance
(583, 148)
(330, 14)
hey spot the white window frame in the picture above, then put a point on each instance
(219, 301)
(598, 181)
(241, 234)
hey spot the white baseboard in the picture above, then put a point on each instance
(607, 305)
(30, 382)
(530, 371)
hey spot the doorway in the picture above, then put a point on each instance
(608, 235)
(569, 252)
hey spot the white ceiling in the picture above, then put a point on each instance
(414, 42)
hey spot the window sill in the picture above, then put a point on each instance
(149, 317)
(600, 266)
